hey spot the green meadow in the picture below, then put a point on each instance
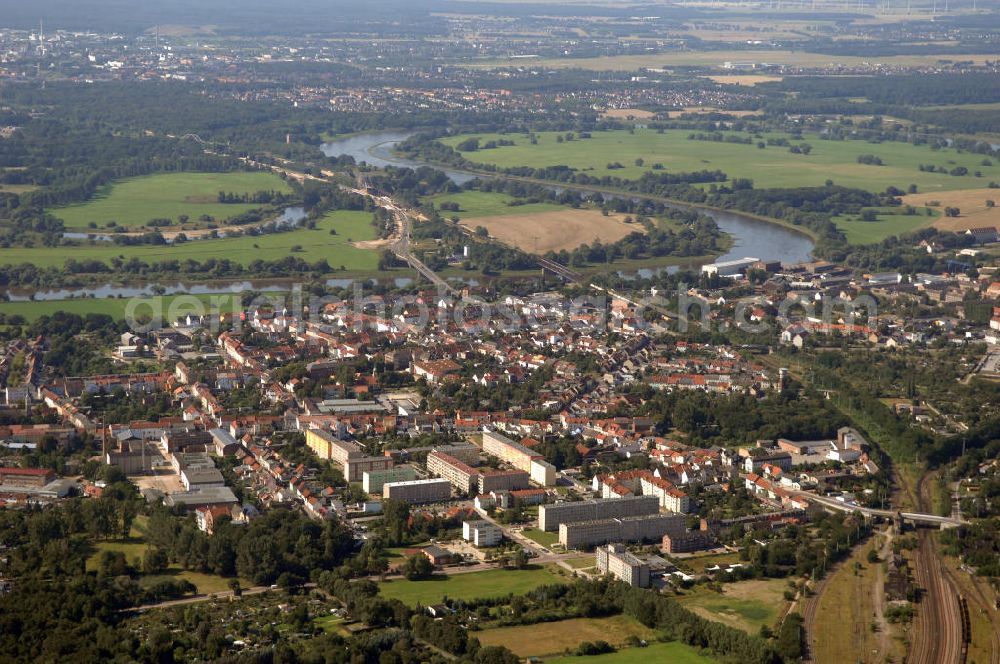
(134, 201)
(474, 585)
(473, 204)
(889, 222)
(772, 166)
(116, 307)
(308, 244)
(673, 652)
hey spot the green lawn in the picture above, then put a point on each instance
(554, 638)
(542, 537)
(134, 201)
(115, 307)
(474, 204)
(672, 653)
(312, 245)
(889, 223)
(746, 605)
(770, 167)
(490, 583)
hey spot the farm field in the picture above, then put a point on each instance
(553, 638)
(773, 166)
(746, 605)
(114, 307)
(555, 231)
(134, 201)
(673, 652)
(313, 245)
(889, 222)
(490, 583)
(975, 212)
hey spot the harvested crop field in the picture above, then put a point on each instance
(625, 113)
(744, 79)
(974, 212)
(553, 638)
(557, 230)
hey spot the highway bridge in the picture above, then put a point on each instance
(911, 517)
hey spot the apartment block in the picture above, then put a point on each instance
(373, 480)
(326, 446)
(580, 534)
(671, 498)
(519, 456)
(462, 476)
(613, 559)
(502, 480)
(464, 452)
(550, 517)
(356, 467)
(688, 542)
(418, 491)
(481, 533)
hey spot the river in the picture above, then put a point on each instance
(751, 237)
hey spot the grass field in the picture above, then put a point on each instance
(669, 653)
(474, 204)
(114, 307)
(313, 245)
(746, 605)
(546, 539)
(134, 201)
(889, 223)
(490, 583)
(552, 638)
(773, 166)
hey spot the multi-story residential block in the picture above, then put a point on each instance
(356, 467)
(327, 447)
(462, 476)
(550, 517)
(418, 491)
(688, 542)
(373, 480)
(481, 533)
(615, 560)
(519, 456)
(502, 480)
(671, 498)
(653, 527)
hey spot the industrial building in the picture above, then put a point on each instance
(550, 517)
(418, 491)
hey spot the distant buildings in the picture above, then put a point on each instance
(615, 560)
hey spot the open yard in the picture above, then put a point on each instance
(974, 210)
(308, 244)
(671, 653)
(773, 166)
(546, 539)
(553, 638)
(746, 605)
(133, 202)
(490, 583)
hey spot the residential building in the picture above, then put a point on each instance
(550, 517)
(615, 560)
(687, 542)
(330, 448)
(481, 533)
(373, 480)
(651, 527)
(509, 480)
(462, 476)
(418, 491)
(355, 467)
